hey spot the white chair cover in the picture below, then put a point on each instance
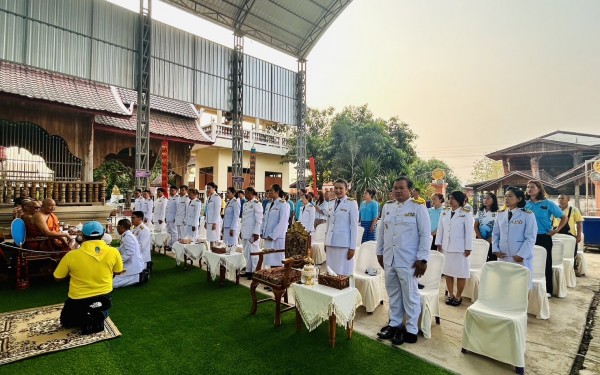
(477, 259)
(538, 296)
(202, 230)
(318, 247)
(559, 282)
(496, 325)
(430, 294)
(568, 258)
(359, 234)
(371, 288)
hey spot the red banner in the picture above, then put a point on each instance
(164, 153)
(313, 170)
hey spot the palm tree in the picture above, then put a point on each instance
(367, 176)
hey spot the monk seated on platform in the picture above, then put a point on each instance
(46, 224)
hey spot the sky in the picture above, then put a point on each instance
(469, 76)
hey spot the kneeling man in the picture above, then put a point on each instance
(91, 268)
(132, 258)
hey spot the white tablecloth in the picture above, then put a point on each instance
(316, 303)
(160, 239)
(232, 263)
(191, 250)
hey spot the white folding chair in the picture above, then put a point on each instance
(538, 296)
(477, 259)
(559, 282)
(371, 288)
(568, 258)
(318, 246)
(496, 325)
(430, 294)
(581, 263)
(359, 234)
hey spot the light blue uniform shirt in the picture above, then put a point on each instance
(369, 212)
(434, 217)
(298, 212)
(544, 211)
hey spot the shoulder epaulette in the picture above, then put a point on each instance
(390, 201)
(351, 199)
(502, 209)
(447, 208)
(526, 210)
(466, 209)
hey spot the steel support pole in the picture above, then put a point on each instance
(301, 139)
(237, 112)
(142, 134)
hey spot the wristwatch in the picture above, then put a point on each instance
(423, 261)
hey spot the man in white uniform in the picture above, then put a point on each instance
(192, 215)
(252, 217)
(171, 213)
(144, 237)
(138, 200)
(403, 243)
(342, 231)
(274, 228)
(147, 207)
(160, 207)
(213, 214)
(184, 200)
(133, 263)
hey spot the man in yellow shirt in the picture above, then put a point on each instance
(416, 196)
(574, 221)
(91, 268)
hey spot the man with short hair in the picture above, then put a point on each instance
(171, 213)
(182, 211)
(91, 268)
(160, 207)
(23, 195)
(144, 237)
(133, 263)
(574, 225)
(147, 207)
(416, 196)
(192, 215)
(403, 243)
(213, 213)
(138, 200)
(252, 218)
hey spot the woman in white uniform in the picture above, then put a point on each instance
(231, 228)
(515, 231)
(455, 239)
(213, 214)
(275, 223)
(307, 214)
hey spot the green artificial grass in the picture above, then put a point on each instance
(180, 323)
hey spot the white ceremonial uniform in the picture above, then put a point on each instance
(160, 207)
(138, 204)
(252, 219)
(180, 215)
(231, 221)
(455, 234)
(340, 235)
(133, 262)
(403, 237)
(516, 236)
(307, 218)
(144, 237)
(192, 219)
(170, 214)
(275, 225)
(213, 216)
(147, 209)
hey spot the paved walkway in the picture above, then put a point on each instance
(552, 345)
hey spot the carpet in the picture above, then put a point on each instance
(32, 332)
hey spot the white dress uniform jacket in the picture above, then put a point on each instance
(180, 215)
(275, 225)
(403, 237)
(455, 233)
(307, 217)
(252, 218)
(160, 207)
(340, 235)
(213, 216)
(192, 218)
(170, 213)
(147, 209)
(138, 204)
(515, 236)
(133, 262)
(231, 222)
(144, 237)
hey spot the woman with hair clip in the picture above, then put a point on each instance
(368, 214)
(307, 213)
(231, 228)
(455, 239)
(515, 230)
(484, 221)
(435, 211)
(544, 211)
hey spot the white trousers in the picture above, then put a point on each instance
(124, 280)
(403, 292)
(250, 247)
(181, 231)
(172, 230)
(159, 227)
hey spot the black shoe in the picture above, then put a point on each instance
(384, 328)
(409, 338)
(388, 333)
(398, 338)
(268, 288)
(249, 275)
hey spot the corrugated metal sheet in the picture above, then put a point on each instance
(115, 25)
(17, 7)
(113, 65)
(11, 37)
(72, 15)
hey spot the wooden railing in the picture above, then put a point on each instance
(64, 193)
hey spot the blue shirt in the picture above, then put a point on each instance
(370, 211)
(434, 217)
(544, 211)
(299, 205)
(486, 222)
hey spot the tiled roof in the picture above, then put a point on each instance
(160, 103)
(39, 84)
(160, 124)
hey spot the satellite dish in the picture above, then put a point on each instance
(17, 230)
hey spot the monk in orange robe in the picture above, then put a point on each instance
(47, 225)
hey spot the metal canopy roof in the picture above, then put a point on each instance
(291, 26)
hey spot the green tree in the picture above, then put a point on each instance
(486, 169)
(116, 174)
(420, 173)
(368, 176)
